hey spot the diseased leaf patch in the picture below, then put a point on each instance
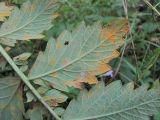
(116, 30)
(76, 56)
(55, 97)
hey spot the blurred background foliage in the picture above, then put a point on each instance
(141, 60)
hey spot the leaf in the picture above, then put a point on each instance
(59, 111)
(116, 30)
(37, 112)
(36, 115)
(157, 116)
(4, 11)
(127, 71)
(75, 57)
(11, 102)
(114, 102)
(22, 57)
(22, 60)
(28, 22)
(149, 27)
(2, 63)
(55, 95)
(30, 97)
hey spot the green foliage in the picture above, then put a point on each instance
(36, 113)
(114, 102)
(28, 22)
(157, 117)
(11, 101)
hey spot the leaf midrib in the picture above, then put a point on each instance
(121, 111)
(52, 71)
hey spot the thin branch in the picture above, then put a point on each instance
(151, 6)
(124, 3)
(120, 61)
(122, 55)
(26, 81)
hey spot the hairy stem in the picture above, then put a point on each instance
(26, 81)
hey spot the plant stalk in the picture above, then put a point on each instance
(151, 6)
(26, 81)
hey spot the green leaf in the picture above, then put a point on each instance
(114, 102)
(127, 71)
(59, 110)
(157, 116)
(11, 103)
(76, 56)
(28, 22)
(36, 115)
(37, 112)
(149, 27)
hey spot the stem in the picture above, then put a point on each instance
(26, 81)
(151, 6)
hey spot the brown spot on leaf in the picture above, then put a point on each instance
(7, 49)
(55, 15)
(52, 62)
(102, 46)
(27, 37)
(87, 77)
(102, 68)
(115, 31)
(52, 85)
(97, 54)
(53, 74)
(32, 7)
(75, 83)
(4, 14)
(66, 62)
(52, 103)
(58, 45)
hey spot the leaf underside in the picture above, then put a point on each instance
(11, 103)
(114, 102)
(77, 56)
(28, 22)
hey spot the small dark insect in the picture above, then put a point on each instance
(66, 43)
